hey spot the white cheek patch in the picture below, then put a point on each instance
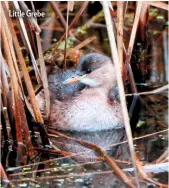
(89, 82)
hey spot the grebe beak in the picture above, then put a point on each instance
(83, 79)
(74, 79)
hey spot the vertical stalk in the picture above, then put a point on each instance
(66, 31)
(23, 28)
(84, 5)
(28, 83)
(132, 39)
(20, 117)
(120, 24)
(43, 74)
(115, 57)
(15, 87)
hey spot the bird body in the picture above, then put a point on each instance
(86, 112)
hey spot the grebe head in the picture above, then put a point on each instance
(91, 62)
(95, 70)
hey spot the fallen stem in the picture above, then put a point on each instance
(155, 91)
(110, 161)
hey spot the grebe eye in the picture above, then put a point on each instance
(88, 71)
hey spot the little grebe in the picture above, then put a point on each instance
(93, 113)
